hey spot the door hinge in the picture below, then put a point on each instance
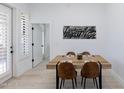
(32, 44)
(32, 60)
(11, 49)
(32, 28)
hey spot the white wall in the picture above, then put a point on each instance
(20, 65)
(115, 37)
(59, 15)
(108, 19)
(46, 41)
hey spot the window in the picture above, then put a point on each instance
(3, 43)
(24, 34)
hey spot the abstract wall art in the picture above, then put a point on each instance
(79, 32)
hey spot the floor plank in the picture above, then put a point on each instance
(42, 78)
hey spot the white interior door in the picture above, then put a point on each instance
(5, 43)
(37, 47)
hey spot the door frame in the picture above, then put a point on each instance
(33, 57)
(11, 46)
(44, 37)
(32, 46)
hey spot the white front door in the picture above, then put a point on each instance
(37, 44)
(5, 43)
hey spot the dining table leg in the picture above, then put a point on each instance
(57, 82)
(100, 80)
(100, 76)
(57, 77)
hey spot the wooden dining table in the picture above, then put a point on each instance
(78, 64)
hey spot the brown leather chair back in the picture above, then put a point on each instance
(71, 53)
(66, 70)
(85, 53)
(90, 70)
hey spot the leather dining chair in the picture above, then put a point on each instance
(71, 53)
(67, 71)
(85, 53)
(90, 70)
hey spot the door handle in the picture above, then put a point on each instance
(41, 45)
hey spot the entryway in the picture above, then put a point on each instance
(40, 43)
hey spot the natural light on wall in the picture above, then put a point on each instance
(24, 34)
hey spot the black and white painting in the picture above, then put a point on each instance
(79, 32)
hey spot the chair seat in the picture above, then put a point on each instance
(69, 77)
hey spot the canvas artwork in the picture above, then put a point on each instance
(79, 32)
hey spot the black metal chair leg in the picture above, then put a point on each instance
(61, 84)
(96, 83)
(76, 82)
(84, 82)
(72, 83)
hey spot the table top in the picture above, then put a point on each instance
(79, 63)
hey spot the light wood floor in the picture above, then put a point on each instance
(41, 78)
